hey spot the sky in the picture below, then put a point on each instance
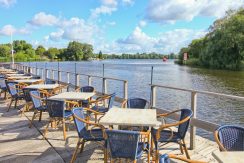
(111, 26)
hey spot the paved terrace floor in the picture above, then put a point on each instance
(19, 143)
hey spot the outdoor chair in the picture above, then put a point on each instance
(48, 81)
(138, 103)
(98, 109)
(230, 138)
(27, 98)
(160, 135)
(57, 112)
(38, 104)
(125, 144)
(3, 87)
(165, 158)
(15, 93)
(90, 89)
(84, 134)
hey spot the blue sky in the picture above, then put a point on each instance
(112, 26)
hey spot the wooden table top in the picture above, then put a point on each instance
(229, 157)
(12, 74)
(131, 117)
(42, 86)
(27, 81)
(19, 77)
(73, 96)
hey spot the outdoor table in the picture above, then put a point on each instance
(131, 117)
(28, 81)
(9, 72)
(78, 96)
(43, 86)
(14, 74)
(19, 77)
(229, 157)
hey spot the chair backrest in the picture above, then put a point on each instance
(231, 137)
(122, 143)
(80, 125)
(164, 158)
(111, 100)
(2, 83)
(87, 89)
(48, 81)
(12, 89)
(138, 103)
(35, 98)
(182, 129)
(55, 108)
(27, 94)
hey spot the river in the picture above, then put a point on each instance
(138, 73)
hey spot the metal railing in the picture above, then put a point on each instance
(208, 126)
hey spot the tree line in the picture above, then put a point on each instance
(75, 51)
(222, 47)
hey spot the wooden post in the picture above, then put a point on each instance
(153, 98)
(104, 86)
(77, 80)
(125, 90)
(59, 76)
(52, 77)
(89, 80)
(68, 74)
(42, 73)
(46, 73)
(193, 129)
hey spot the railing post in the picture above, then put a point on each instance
(104, 85)
(59, 76)
(52, 77)
(46, 73)
(153, 97)
(68, 74)
(125, 90)
(89, 80)
(77, 80)
(193, 129)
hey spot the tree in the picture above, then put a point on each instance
(87, 51)
(40, 50)
(51, 53)
(4, 51)
(100, 55)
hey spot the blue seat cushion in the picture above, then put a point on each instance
(41, 108)
(165, 136)
(92, 135)
(85, 103)
(100, 109)
(67, 113)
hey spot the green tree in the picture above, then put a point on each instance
(51, 53)
(87, 51)
(40, 50)
(100, 55)
(5, 51)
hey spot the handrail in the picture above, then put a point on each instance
(199, 91)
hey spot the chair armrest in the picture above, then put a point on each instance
(167, 114)
(73, 103)
(216, 137)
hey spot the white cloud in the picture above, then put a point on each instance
(7, 3)
(139, 41)
(8, 29)
(56, 36)
(142, 23)
(173, 10)
(107, 7)
(111, 3)
(113, 23)
(43, 19)
(128, 2)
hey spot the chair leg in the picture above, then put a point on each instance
(40, 116)
(64, 128)
(33, 117)
(5, 95)
(184, 145)
(45, 132)
(105, 155)
(181, 148)
(82, 146)
(23, 110)
(75, 152)
(10, 104)
(15, 105)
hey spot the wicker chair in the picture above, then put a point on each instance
(3, 87)
(125, 144)
(166, 159)
(38, 103)
(161, 135)
(230, 138)
(85, 103)
(84, 134)
(15, 93)
(57, 112)
(101, 110)
(138, 103)
(48, 81)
